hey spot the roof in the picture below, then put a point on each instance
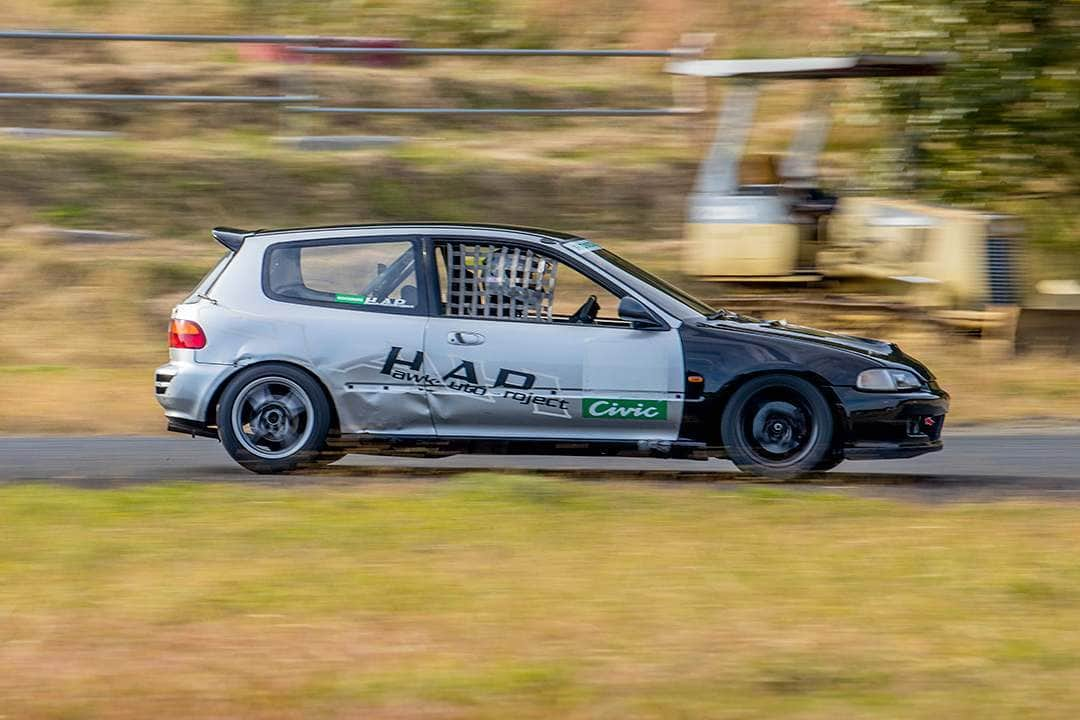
(232, 238)
(820, 68)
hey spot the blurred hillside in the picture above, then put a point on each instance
(184, 158)
(742, 26)
(178, 170)
(1006, 103)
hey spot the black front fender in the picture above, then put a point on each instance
(725, 359)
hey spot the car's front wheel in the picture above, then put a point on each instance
(779, 426)
(274, 418)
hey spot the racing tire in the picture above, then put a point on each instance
(779, 426)
(274, 418)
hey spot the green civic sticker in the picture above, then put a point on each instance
(618, 409)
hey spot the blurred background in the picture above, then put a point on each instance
(939, 211)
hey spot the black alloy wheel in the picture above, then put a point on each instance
(779, 426)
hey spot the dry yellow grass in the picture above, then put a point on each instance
(496, 597)
(989, 384)
(781, 26)
(79, 401)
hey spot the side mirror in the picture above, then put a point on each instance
(637, 315)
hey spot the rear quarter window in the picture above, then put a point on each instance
(370, 275)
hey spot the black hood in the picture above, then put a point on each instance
(886, 353)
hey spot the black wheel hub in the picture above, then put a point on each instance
(778, 429)
(274, 420)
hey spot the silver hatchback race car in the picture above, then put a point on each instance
(302, 345)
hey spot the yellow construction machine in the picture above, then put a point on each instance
(765, 219)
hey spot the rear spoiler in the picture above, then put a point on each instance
(231, 238)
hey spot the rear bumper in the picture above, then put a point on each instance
(184, 389)
(881, 426)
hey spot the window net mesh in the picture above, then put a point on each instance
(499, 282)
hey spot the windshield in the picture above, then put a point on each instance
(656, 283)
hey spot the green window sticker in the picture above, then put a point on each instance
(621, 409)
(371, 300)
(581, 246)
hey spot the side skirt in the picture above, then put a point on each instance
(443, 447)
(426, 446)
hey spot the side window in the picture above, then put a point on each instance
(573, 289)
(503, 281)
(377, 274)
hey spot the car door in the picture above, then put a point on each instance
(357, 303)
(505, 359)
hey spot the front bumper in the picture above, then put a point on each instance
(185, 389)
(892, 425)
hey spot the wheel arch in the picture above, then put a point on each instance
(722, 396)
(215, 397)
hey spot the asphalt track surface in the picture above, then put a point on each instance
(975, 465)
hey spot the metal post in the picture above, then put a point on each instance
(124, 97)
(537, 112)
(801, 161)
(171, 38)
(309, 45)
(719, 173)
(485, 52)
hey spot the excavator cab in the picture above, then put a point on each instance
(759, 217)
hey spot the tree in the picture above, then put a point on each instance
(1005, 116)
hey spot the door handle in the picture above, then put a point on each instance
(465, 338)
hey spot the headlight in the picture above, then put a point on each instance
(887, 380)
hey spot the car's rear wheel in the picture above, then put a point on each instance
(779, 426)
(274, 418)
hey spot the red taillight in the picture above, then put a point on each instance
(186, 335)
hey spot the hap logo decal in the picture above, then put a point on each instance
(615, 409)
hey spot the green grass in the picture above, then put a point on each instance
(492, 597)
